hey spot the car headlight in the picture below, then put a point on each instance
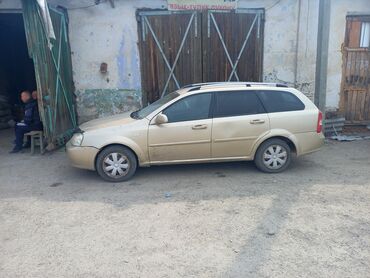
(77, 139)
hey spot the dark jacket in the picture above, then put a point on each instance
(32, 116)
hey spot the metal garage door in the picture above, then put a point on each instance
(53, 70)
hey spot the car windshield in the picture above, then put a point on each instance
(142, 113)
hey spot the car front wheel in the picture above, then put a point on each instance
(116, 164)
(273, 156)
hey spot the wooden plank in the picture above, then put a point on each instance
(354, 34)
(158, 25)
(203, 59)
(366, 112)
(360, 105)
(342, 97)
(354, 99)
(233, 28)
(352, 105)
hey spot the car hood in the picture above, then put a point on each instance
(116, 120)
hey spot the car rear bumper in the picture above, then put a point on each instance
(310, 142)
(82, 157)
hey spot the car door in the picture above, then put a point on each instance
(187, 134)
(239, 119)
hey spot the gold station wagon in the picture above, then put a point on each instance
(210, 122)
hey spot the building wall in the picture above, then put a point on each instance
(102, 34)
(105, 34)
(289, 43)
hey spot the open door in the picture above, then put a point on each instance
(53, 68)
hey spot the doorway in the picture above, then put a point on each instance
(17, 71)
(187, 47)
(355, 91)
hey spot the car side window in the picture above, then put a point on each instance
(237, 103)
(195, 107)
(280, 101)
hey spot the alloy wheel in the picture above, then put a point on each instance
(116, 165)
(275, 157)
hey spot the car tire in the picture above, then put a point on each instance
(273, 156)
(116, 164)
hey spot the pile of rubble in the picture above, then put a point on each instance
(6, 117)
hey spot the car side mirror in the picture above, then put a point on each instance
(161, 119)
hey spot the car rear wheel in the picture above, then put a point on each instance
(116, 164)
(273, 156)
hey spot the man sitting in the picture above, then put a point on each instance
(31, 121)
(34, 95)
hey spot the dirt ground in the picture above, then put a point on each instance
(210, 220)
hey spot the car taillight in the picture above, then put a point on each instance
(319, 123)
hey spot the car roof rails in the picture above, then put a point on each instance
(250, 84)
(197, 86)
(203, 84)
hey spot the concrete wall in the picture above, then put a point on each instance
(105, 34)
(102, 34)
(289, 43)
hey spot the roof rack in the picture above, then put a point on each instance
(203, 84)
(248, 84)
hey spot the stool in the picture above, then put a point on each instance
(36, 140)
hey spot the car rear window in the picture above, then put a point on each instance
(237, 103)
(280, 101)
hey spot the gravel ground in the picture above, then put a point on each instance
(210, 220)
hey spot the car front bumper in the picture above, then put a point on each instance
(81, 157)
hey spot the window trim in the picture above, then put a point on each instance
(353, 32)
(365, 35)
(210, 114)
(237, 91)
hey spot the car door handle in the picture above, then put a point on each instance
(257, 121)
(199, 127)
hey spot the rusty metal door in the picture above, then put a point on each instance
(53, 70)
(180, 48)
(355, 91)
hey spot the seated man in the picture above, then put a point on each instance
(31, 120)
(34, 95)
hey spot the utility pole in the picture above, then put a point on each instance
(322, 55)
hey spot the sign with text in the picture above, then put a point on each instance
(176, 5)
